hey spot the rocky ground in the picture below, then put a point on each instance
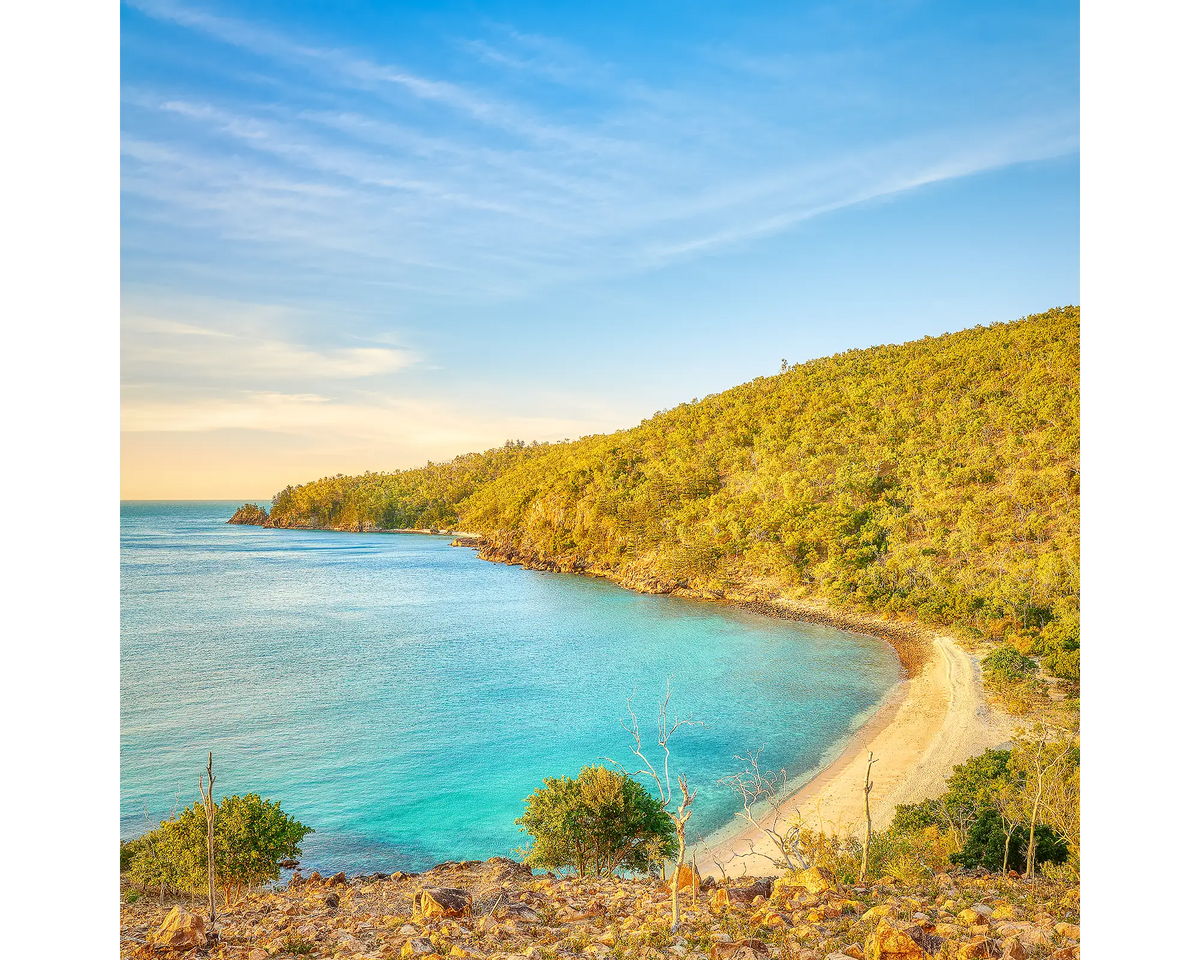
(497, 909)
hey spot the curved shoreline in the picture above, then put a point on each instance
(929, 723)
(935, 717)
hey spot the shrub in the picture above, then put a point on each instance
(985, 845)
(251, 835)
(1007, 665)
(599, 823)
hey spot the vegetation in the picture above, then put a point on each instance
(249, 513)
(936, 480)
(252, 836)
(599, 823)
(992, 802)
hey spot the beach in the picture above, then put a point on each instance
(936, 718)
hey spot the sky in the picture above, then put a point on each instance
(369, 235)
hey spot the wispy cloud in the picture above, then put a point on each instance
(518, 163)
(618, 191)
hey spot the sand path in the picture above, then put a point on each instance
(928, 724)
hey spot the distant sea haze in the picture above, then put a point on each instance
(402, 697)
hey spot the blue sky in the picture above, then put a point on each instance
(361, 236)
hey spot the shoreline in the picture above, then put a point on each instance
(934, 717)
(926, 725)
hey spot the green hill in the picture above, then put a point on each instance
(935, 480)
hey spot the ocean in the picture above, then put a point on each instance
(402, 697)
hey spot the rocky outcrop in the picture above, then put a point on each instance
(250, 514)
(497, 909)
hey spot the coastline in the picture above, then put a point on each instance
(926, 725)
(935, 717)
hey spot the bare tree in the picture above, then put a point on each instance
(867, 784)
(682, 813)
(1040, 756)
(762, 794)
(210, 816)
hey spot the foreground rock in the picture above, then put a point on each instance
(496, 910)
(180, 931)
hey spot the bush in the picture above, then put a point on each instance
(1007, 665)
(251, 835)
(985, 845)
(599, 823)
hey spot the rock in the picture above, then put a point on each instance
(399, 875)
(749, 949)
(855, 952)
(687, 879)
(339, 877)
(332, 900)
(257, 953)
(882, 911)
(911, 943)
(1004, 911)
(417, 947)
(314, 877)
(979, 948)
(976, 913)
(1066, 953)
(519, 913)
(812, 880)
(179, 931)
(1068, 930)
(759, 888)
(719, 901)
(434, 903)
(1013, 950)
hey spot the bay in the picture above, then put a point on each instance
(403, 697)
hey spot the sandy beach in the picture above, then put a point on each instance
(928, 723)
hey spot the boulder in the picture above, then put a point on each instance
(434, 903)
(1014, 949)
(855, 952)
(519, 913)
(881, 911)
(687, 879)
(979, 948)
(1066, 953)
(332, 900)
(759, 888)
(339, 877)
(812, 880)
(719, 901)
(1068, 930)
(399, 875)
(417, 947)
(179, 931)
(748, 949)
(911, 943)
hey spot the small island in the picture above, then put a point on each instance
(250, 514)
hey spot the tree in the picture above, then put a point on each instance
(681, 815)
(871, 761)
(599, 823)
(251, 836)
(762, 793)
(1042, 758)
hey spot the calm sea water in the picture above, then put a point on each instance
(403, 697)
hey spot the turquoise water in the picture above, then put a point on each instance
(403, 697)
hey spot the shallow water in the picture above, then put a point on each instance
(403, 697)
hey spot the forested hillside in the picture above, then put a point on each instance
(937, 480)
